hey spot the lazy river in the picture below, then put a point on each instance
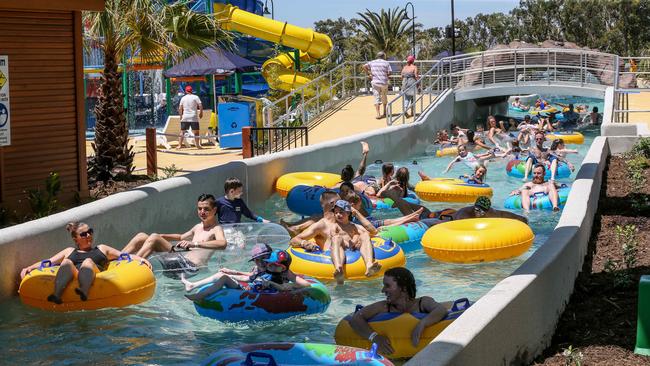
(167, 329)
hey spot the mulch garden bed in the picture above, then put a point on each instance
(99, 190)
(600, 320)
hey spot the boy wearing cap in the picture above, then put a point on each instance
(259, 254)
(191, 110)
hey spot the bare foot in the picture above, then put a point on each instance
(339, 276)
(289, 228)
(374, 268)
(189, 286)
(422, 175)
(524, 179)
(82, 296)
(200, 147)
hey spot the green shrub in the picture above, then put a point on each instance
(44, 203)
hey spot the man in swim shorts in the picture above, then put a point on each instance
(536, 153)
(341, 235)
(538, 185)
(378, 71)
(193, 248)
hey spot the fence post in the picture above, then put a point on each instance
(152, 156)
(246, 145)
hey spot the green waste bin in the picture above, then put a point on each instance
(643, 319)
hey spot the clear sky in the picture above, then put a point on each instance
(431, 13)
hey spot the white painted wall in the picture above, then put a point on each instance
(169, 205)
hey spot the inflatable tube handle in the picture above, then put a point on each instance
(249, 359)
(46, 263)
(539, 194)
(124, 256)
(460, 304)
(373, 352)
(358, 307)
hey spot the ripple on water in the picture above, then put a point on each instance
(167, 330)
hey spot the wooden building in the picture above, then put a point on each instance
(42, 40)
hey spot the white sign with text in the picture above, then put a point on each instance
(5, 110)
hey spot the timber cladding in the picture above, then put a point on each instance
(46, 97)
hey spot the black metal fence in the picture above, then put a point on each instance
(267, 140)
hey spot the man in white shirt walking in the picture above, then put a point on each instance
(191, 110)
(378, 70)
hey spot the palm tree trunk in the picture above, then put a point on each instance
(113, 156)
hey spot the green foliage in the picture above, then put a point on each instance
(642, 148)
(611, 26)
(170, 171)
(572, 356)
(638, 161)
(387, 30)
(167, 172)
(627, 236)
(44, 203)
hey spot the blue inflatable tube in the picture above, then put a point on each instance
(408, 236)
(539, 201)
(516, 168)
(386, 204)
(295, 354)
(236, 305)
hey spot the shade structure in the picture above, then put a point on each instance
(211, 61)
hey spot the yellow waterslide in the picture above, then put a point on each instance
(279, 71)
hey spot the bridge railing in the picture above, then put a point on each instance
(523, 66)
(531, 66)
(304, 105)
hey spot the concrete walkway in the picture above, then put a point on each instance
(351, 117)
(640, 101)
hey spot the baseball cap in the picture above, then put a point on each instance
(188, 89)
(260, 250)
(343, 205)
(483, 203)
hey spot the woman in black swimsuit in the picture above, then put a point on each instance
(399, 288)
(82, 261)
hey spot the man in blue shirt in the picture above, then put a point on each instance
(231, 207)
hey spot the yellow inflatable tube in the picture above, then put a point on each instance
(398, 328)
(125, 282)
(547, 110)
(452, 150)
(319, 264)
(568, 137)
(477, 240)
(284, 184)
(451, 190)
(279, 71)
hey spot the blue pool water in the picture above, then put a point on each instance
(167, 330)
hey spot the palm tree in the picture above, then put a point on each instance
(386, 30)
(154, 29)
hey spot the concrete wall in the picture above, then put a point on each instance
(588, 90)
(515, 320)
(169, 205)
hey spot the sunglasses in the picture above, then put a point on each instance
(86, 233)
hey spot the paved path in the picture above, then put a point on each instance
(351, 117)
(637, 102)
